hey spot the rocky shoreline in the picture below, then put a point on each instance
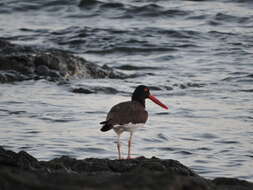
(18, 63)
(23, 171)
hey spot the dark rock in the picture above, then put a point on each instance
(232, 184)
(26, 161)
(42, 70)
(11, 76)
(90, 90)
(19, 63)
(21, 160)
(82, 91)
(106, 90)
(24, 172)
(132, 68)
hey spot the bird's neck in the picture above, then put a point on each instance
(141, 101)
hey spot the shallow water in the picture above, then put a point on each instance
(195, 55)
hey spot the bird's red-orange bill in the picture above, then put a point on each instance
(155, 100)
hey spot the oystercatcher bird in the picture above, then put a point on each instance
(130, 115)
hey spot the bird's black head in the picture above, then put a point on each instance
(140, 94)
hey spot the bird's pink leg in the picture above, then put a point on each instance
(129, 146)
(118, 146)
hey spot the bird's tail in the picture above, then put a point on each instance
(106, 126)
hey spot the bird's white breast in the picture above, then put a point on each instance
(130, 127)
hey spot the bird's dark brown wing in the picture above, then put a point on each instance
(127, 112)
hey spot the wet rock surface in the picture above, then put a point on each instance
(90, 90)
(18, 63)
(22, 171)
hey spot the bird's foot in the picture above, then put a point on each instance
(128, 158)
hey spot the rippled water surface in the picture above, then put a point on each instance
(196, 56)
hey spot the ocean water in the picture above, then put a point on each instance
(196, 56)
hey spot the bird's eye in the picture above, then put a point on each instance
(145, 89)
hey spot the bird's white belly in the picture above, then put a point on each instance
(130, 127)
